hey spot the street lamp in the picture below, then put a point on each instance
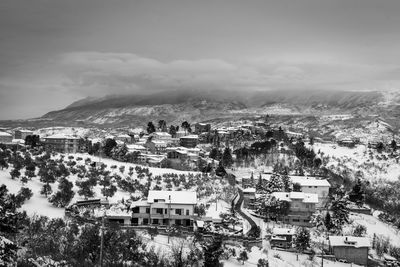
(169, 216)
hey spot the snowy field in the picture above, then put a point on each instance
(38, 204)
(374, 167)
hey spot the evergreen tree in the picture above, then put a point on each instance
(15, 173)
(215, 154)
(328, 221)
(150, 128)
(275, 184)
(162, 125)
(243, 256)
(212, 251)
(227, 159)
(108, 146)
(302, 239)
(173, 130)
(186, 126)
(340, 210)
(393, 144)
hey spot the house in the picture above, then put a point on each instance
(22, 134)
(302, 207)
(313, 186)
(350, 248)
(202, 128)
(189, 140)
(249, 196)
(166, 208)
(124, 138)
(161, 136)
(155, 146)
(62, 143)
(5, 138)
(282, 237)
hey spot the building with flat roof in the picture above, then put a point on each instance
(189, 140)
(301, 207)
(5, 138)
(165, 208)
(313, 186)
(351, 248)
(62, 143)
(22, 134)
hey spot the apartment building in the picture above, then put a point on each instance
(313, 186)
(165, 208)
(302, 207)
(62, 143)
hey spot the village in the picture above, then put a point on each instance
(249, 185)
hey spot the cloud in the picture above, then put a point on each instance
(96, 73)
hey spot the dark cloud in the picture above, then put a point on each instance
(60, 51)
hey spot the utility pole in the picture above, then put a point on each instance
(169, 216)
(102, 240)
(322, 254)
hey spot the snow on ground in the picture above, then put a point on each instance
(375, 226)
(38, 204)
(374, 165)
(216, 209)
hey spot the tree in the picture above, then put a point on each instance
(162, 125)
(275, 184)
(340, 210)
(186, 126)
(243, 256)
(393, 145)
(227, 159)
(302, 239)
(8, 252)
(215, 154)
(172, 130)
(328, 221)
(357, 193)
(86, 187)
(150, 128)
(262, 263)
(212, 251)
(108, 189)
(32, 140)
(64, 195)
(296, 187)
(15, 173)
(108, 146)
(360, 230)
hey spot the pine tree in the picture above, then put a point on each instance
(302, 239)
(275, 184)
(227, 159)
(328, 221)
(150, 128)
(212, 251)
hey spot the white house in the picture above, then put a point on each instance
(313, 186)
(165, 208)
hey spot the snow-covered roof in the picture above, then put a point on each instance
(123, 136)
(135, 147)
(61, 136)
(192, 136)
(140, 203)
(349, 241)
(308, 181)
(25, 131)
(164, 134)
(249, 190)
(288, 196)
(200, 223)
(5, 134)
(177, 197)
(283, 231)
(18, 141)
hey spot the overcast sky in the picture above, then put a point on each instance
(53, 52)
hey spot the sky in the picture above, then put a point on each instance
(54, 52)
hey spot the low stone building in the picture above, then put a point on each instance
(350, 248)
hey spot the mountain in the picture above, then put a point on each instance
(192, 105)
(195, 105)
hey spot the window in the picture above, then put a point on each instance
(155, 221)
(147, 210)
(296, 220)
(187, 212)
(145, 221)
(135, 210)
(166, 211)
(159, 211)
(178, 211)
(155, 200)
(178, 222)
